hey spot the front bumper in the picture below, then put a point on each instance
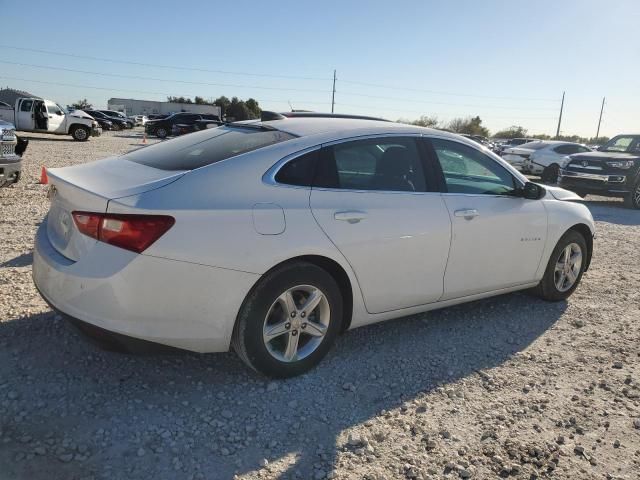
(604, 184)
(10, 169)
(173, 303)
(96, 131)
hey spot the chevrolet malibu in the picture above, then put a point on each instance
(273, 236)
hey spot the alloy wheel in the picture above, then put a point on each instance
(568, 267)
(296, 323)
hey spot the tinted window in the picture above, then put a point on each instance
(25, 106)
(467, 170)
(569, 149)
(385, 164)
(205, 147)
(299, 171)
(624, 143)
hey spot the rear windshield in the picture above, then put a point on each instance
(198, 149)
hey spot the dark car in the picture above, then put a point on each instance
(202, 124)
(114, 123)
(613, 170)
(163, 127)
(514, 142)
(157, 116)
(113, 114)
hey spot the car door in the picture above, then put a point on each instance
(373, 200)
(24, 114)
(56, 118)
(498, 236)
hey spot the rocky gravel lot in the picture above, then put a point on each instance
(509, 387)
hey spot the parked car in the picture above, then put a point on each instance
(542, 157)
(275, 236)
(157, 116)
(513, 142)
(162, 128)
(114, 114)
(117, 123)
(11, 150)
(484, 141)
(181, 128)
(613, 171)
(104, 121)
(31, 114)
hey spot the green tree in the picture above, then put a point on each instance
(179, 100)
(423, 121)
(514, 131)
(253, 107)
(469, 126)
(81, 105)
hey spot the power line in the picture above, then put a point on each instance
(377, 85)
(412, 100)
(267, 75)
(140, 91)
(136, 77)
(172, 67)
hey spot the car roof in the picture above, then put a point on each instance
(344, 127)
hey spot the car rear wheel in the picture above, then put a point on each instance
(565, 268)
(289, 321)
(632, 200)
(161, 132)
(550, 174)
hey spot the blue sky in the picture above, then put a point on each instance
(507, 61)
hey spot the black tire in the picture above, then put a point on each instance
(161, 132)
(632, 200)
(550, 174)
(247, 339)
(81, 133)
(547, 288)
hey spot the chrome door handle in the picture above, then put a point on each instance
(352, 216)
(467, 213)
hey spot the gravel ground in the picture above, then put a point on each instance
(506, 387)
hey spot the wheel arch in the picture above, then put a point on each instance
(585, 231)
(337, 272)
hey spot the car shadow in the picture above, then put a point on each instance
(606, 209)
(22, 260)
(210, 414)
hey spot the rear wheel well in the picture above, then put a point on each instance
(585, 231)
(339, 275)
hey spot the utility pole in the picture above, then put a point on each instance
(560, 117)
(600, 119)
(333, 94)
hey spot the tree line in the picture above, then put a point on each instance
(233, 109)
(473, 126)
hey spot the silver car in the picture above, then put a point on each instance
(11, 150)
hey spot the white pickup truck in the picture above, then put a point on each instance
(45, 116)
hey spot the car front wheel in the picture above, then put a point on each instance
(289, 321)
(633, 199)
(565, 268)
(161, 132)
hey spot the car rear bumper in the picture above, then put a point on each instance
(173, 303)
(10, 170)
(613, 185)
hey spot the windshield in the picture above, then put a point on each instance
(205, 147)
(623, 143)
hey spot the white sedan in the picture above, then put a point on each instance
(542, 157)
(274, 236)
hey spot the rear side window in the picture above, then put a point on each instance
(299, 171)
(205, 147)
(569, 149)
(391, 164)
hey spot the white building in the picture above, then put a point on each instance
(131, 106)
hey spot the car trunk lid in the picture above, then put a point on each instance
(90, 187)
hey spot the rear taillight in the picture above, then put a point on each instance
(131, 232)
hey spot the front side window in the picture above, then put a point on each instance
(467, 170)
(54, 110)
(386, 164)
(205, 147)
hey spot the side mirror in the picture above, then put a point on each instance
(533, 191)
(60, 113)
